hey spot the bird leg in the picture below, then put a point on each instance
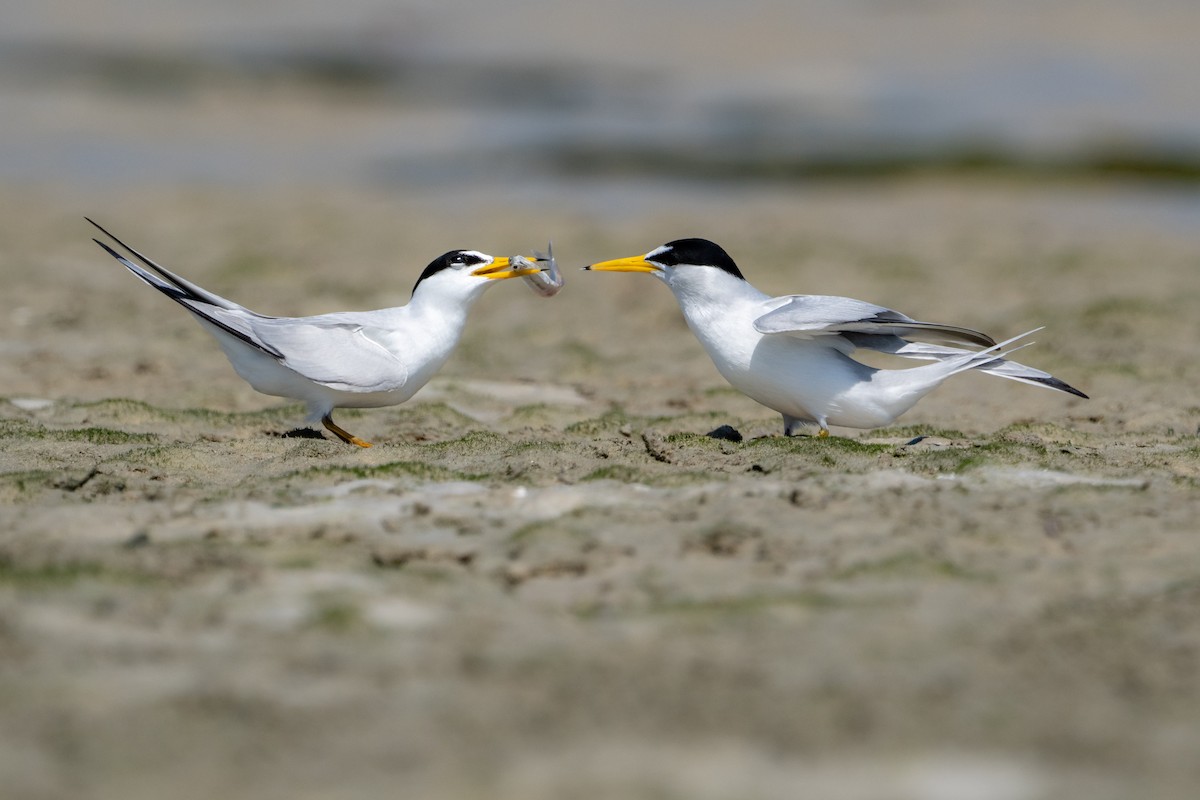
(824, 432)
(346, 437)
(790, 424)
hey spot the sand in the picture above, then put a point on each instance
(546, 580)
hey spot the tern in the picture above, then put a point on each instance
(351, 359)
(793, 354)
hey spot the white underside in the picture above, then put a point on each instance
(267, 375)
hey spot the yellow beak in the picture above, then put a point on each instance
(498, 269)
(630, 264)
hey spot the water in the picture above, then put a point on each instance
(438, 95)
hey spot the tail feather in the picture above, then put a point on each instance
(191, 297)
(1034, 377)
(976, 359)
(997, 365)
(170, 290)
(192, 290)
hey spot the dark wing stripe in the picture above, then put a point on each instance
(184, 298)
(148, 262)
(272, 352)
(172, 290)
(952, 331)
(197, 292)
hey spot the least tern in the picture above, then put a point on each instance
(793, 353)
(351, 359)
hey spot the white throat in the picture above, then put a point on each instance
(720, 310)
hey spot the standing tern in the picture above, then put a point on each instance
(793, 353)
(351, 359)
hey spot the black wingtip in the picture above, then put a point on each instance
(104, 230)
(110, 251)
(146, 261)
(1055, 383)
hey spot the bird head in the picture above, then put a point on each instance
(466, 272)
(676, 263)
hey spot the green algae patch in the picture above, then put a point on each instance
(665, 478)
(622, 473)
(172, 423)
(95, 435)
(698, 441)
(819, 445)
(48, 575)
(539, 446)
(124, 408)
(472, 444)
(910, 432)
(786, 453)
(20, 429)
(617, 421)
(747, 604)
(674, 479)
(532, 412)
(394, 469)
(336, 615)
(963, 458)
(57, 572)
(909, 565)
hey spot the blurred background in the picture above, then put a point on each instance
(900, 152)
(603, 107)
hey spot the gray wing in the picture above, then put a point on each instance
(807, 316)
(341, 354)
(346, 356)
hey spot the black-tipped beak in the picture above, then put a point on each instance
(630, 264)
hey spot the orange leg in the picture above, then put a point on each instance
(345, 436)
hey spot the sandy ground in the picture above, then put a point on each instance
(545, 580)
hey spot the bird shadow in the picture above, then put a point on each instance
(302, 433)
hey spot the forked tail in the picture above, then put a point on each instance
(958, 360)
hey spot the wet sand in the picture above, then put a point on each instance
(546, 580)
